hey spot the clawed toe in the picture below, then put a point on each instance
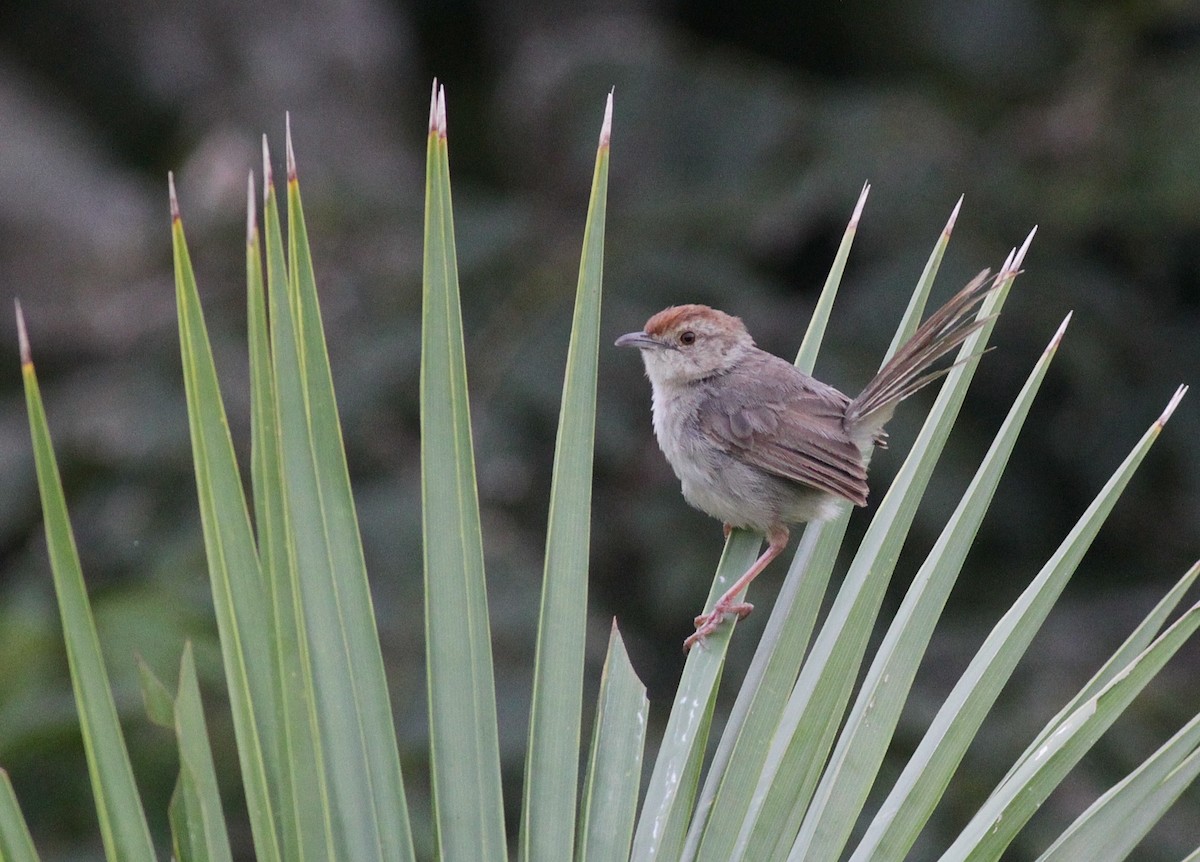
(699, 635)
(708, 623)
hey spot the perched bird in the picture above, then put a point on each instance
(758, 443)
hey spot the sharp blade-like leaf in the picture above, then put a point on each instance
(864, 739)
(468, 805)
(810, 346)
(118, 807)
(916, 792)
(303, 789)
(358, 740)
(198, 777)
(16, 844)
(1011, 805)
(233, 565)
(667, 808)
(1133, 646)
(916, 304)
(801, 742)
(610, 790)
(552, 757)
(739, 758)
(1114, 824)
(774, 667)
(268, 521)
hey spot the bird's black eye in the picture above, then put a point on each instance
(687, 337)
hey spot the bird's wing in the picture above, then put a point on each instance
(792, 429)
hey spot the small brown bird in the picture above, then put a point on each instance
(758, 443)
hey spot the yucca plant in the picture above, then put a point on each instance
(789, 774)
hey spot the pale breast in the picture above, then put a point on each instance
(711, 480)
(720, 485)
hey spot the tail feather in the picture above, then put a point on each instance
(909, 370)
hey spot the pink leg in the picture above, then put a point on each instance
(707, 623)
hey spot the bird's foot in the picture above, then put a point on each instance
(707, 623)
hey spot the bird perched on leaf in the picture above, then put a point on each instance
(761, 445)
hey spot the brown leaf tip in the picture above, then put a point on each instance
(1006, 269)
(606, 126)
(1012, 263)
(1171, 405)
(1062, 330)
(174, 198)
(291, 154)
(268, 174)
(23, 336)
(858, 207)
(950, 222)
(440, 121)
(1020, 258)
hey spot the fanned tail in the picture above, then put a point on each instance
(909, 370)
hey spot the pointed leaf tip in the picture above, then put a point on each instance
(950, 222)
(1062, 330)
(1174, 402)
(441, 111)
(23, 336)
(606, 126)
(858, 207)
(433, 99)
(291, 154)
(1006, 268)
(1020, 258)
(268, 174)
(171, 194)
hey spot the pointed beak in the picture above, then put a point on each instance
(639, 340)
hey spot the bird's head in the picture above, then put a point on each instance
(687, 343)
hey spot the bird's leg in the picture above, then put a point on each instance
(706, 624)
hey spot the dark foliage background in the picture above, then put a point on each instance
(743, 133)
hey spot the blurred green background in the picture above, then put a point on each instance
(742, 135)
